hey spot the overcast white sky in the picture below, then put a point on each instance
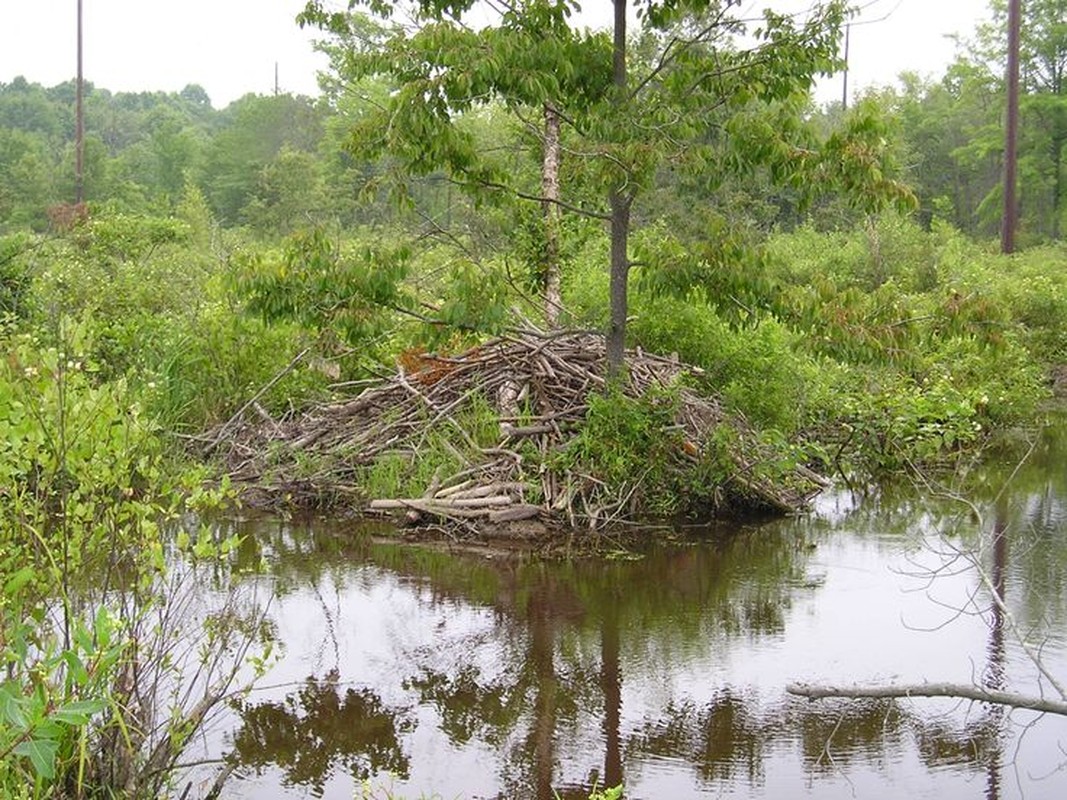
(230, 47)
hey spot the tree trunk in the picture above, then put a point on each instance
(1057, 185)
(620, 214)
(620, 274)
(550, 205)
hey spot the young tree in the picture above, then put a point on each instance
(628, 113)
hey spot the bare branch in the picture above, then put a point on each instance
(959, 691)
(535, 198)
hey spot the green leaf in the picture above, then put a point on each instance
(18, 580)
(42, 755)
(77, 668)
(103, 627)
(12, 706)
(78, 712)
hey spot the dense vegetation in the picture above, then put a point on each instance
(830, 272)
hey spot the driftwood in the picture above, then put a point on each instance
(538, 386)
(960, 691)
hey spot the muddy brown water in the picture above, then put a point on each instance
(409, 672)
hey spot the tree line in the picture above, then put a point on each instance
(274, 163)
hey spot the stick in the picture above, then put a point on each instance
(483, 491)
(285, 371)
(965, 691)
(390, 504)
(515, 513)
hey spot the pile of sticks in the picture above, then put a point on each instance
(539, 385)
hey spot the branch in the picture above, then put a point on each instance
(534, 197)
(960, 691)
(670, 53)
(986, 579)
(265, 388)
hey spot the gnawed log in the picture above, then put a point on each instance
(484, 490)
(390, 504)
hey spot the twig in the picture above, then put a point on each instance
(266, 388)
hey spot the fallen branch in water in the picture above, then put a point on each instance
(959, 691)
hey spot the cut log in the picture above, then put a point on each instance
(515, 513)
(392, 504)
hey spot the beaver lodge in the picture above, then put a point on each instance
(524, 427)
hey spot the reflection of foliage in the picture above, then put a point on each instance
(834, 737)
(724, 736)
(941, 745)
(317, 728)
(467, 707)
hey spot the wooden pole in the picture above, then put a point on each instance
(1009, 218)
(79, 123)
(844, 79)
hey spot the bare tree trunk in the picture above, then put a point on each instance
(874, 248)
(550, 205)
(620, 274)
(620, 216)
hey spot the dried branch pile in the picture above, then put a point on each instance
(536, 387)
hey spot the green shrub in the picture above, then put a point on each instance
(202, 372)
(15, 276)
(760, 372)
(87, 493)
(630, 445)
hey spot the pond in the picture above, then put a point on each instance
(413, 672)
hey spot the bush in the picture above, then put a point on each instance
(90, 582)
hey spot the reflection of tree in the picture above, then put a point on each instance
(1036, 518)
(576, 625)
(611, 686)
(567, 637)
(833, 737)
(719, 738)
(320, 727)
(730, 739)
(469, 707)
(527, 696)
(1028, 503)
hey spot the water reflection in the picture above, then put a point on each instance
(319, 728)
(481, 677)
